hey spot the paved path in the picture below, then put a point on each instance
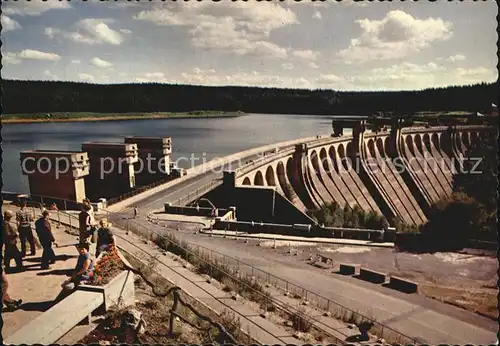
(264, 330)
(415, 316)
(38, 288)
(421, 318)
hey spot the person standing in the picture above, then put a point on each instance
(46, 237)
(10, 237)
(24, 217)
(86, 201)
(136, 212)
(85, 222)
(6, 299)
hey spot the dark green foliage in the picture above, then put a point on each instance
(48, 96)
(471, 212)
(332, 215)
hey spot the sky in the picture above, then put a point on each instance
(343, 45)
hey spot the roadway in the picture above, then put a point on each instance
(426, 320)
(412, 315)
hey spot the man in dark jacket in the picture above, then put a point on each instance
(10, 237)
(44, 232)
(24, 218)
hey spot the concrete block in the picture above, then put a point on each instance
(372, 276)
(348, 269)
(54, 323)
(403, 285)
(120, 290)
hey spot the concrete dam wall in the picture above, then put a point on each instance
(398, 173)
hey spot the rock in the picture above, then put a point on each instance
(132, 320)
(305, 302)
(264, 314)
(235, 296)
(268, 285)
(351, 326)
(298, 335)
(289, 324)
(381, 341)
(286, 294)
(327, 314)
(104, 342)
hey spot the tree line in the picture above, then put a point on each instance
(21, 96)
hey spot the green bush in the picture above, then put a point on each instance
(333, 215)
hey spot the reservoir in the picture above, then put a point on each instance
(203, 138)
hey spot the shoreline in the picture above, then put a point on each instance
(122, 118)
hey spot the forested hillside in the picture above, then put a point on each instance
(45, 96)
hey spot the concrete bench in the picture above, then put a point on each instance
(372, 276)
(54, 323)
(403, 285)
(348, 269)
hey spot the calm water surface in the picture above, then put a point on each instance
(202, 137)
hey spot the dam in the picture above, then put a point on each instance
(395, 171)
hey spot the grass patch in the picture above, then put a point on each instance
(483, 302)
(89, 116)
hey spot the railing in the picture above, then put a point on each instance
(139, 190)
(320, 301)
(285, 285)
(209, 257)
(191, 196)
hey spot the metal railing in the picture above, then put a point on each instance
(338, 310)
(191, 196)
(211, 259)
(139, 190)
(284, 285)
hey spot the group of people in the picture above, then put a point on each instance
(21, 231)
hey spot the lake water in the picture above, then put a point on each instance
(207, 138)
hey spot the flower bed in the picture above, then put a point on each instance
(107, 268)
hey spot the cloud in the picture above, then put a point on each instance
(86, 77)
(476, 75)
(306, 54)
(10, 58)
(32, 8)
(409, 76)
(317, 15)
(37, 55)
(235, 28)
(455, 58)
(125, 31)
(312, 64)
(287, 66)
(49, 75)
(90, 31)
(100, 63)
(252, 78)
(328, 79)
(9, 24)
(396, 36)
(76, 61)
